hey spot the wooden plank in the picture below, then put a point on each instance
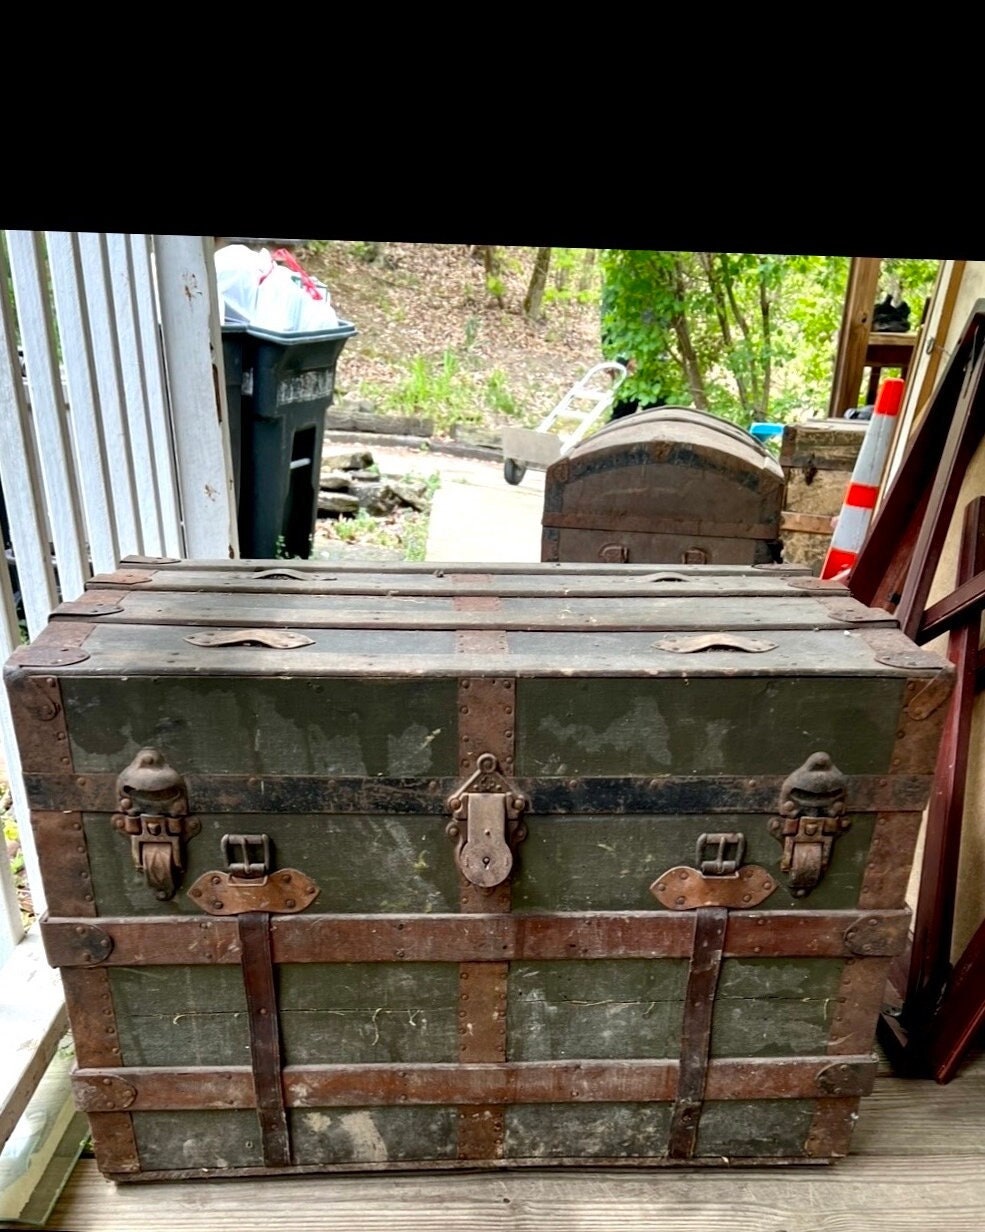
(49, 412)
(470, 1084)
(667, 613)
(904, 1194)
(142, 459)
(807, 523)
(449, 938)
(109, 381)
(925, 370)
(853, 336)
(192, 342)
(96, 478)
(20, 477)
(158, 407)
(30, 1025)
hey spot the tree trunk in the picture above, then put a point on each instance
(689, 358)
(587, 275)
(764, 307)
(707, 260)
(538, 281)
(750, 341)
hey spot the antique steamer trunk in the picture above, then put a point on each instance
(818, 457)
(673, 485)
(393, 868)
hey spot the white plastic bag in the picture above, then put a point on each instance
(271, 292)
(238, 270)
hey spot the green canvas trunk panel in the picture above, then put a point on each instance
(372, 1135)
(369, 1012)
(705, 726)
(751, 1128)
(411, 869)
(599, 1008)
(341, 712)
(194, 1140)
(195, 1013)
(350, 727)
(590, 1131)
(609, 863)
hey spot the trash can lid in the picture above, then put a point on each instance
(344, 329)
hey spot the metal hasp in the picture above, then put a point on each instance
(248, 882)
(722, 881)
(812, 806)
(486, 823)
(153, 814)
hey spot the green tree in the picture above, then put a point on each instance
(749, 336)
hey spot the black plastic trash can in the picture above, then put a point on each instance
(287, 385)
(233, 350)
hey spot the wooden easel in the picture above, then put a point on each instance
(895, 570)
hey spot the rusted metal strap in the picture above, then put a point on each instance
(264, 1027)
(710, 924)
(900, 792)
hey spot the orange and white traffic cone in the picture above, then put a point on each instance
(863, 491)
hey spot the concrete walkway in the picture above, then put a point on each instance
(481, 517)
(475, 514)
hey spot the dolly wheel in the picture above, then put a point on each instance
(513, 471)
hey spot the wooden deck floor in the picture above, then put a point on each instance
(918, 1163)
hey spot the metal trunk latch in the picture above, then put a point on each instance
(812, 807)
(486, 824)
(153, 804)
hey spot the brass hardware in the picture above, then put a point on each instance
(153, 804)
(722, 881)
(486, 824)
(812, 806)
(248, 884)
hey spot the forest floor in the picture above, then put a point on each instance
(439, 338)
(413, 302)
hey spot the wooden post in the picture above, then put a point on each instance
(192, 352)
(853, 337)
